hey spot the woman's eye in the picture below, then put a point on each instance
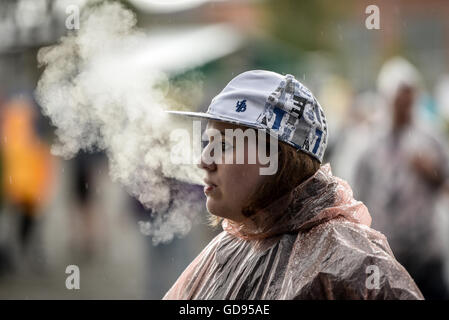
(224, 145)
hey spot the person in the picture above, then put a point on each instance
(294, 234)
(27, 166)
(400, 177)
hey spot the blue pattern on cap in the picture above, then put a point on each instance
(294, 115)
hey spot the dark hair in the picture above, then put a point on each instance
(294, 167)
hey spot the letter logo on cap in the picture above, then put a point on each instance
(241, 106)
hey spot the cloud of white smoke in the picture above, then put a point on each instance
(100, 99)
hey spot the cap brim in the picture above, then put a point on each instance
(208, 116)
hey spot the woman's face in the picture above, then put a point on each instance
(229, 187)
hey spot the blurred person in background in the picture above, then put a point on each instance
(26, 167)
(5, 258)
(441, 94)
(85, 225)
(355, 134)
(401, 175)
(442, 101)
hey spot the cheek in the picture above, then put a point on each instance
(241, 182)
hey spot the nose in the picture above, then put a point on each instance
(203, 164)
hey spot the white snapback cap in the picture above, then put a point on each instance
(278, 104)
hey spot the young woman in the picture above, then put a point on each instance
(294, 234)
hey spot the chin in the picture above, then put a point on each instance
(217, 209)
(210, 206)
(214, 208)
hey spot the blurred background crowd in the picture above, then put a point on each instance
(385, 93)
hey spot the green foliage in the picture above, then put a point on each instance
(305, 24)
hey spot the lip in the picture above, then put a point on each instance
(209, 187)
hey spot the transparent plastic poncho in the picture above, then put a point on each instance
(313, 243)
